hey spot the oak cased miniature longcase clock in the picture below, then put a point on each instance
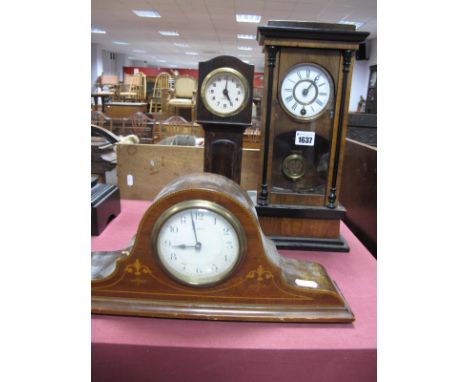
(308, 69)
(224, 109)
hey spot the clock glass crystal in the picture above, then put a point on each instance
(225, 92)
(306, 91)
(198, 242)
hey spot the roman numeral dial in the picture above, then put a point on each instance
(306, 91)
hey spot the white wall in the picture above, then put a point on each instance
(96, 63)
(361, 75)
(121, 60)
(103, 61)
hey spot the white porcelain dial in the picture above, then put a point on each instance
(200, 245)
(306, 90)
(225, 92)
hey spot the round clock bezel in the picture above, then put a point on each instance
(330, 99)
(243, 81)
(216, 208)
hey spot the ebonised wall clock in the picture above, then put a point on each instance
(224, 109)
(308, 69)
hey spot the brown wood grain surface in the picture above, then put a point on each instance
(262, 287)
(151, 167)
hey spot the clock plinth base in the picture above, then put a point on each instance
(225, 312)
(311, 243)
(303, 227)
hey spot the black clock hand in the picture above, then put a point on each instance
(226, 93)
(306, 91)
(197, 243)
(184, 246)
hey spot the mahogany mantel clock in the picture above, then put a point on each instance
(308, 69)
(199, 253)
(224, 109)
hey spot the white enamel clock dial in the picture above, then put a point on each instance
(306, 91)
(225, 92)
(198, 242)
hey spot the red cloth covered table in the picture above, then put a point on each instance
(154, 349)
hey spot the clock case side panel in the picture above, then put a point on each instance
(266, 145)
(244, 117)
(341, 121)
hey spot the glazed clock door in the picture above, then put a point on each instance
(302, 133)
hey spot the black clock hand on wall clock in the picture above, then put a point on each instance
(306, 90)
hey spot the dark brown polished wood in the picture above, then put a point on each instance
(224, 134)
(263, 287)
(223, 150)
(331, 47)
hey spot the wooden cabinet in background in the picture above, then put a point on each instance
(371, 101)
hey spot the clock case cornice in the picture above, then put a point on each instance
(310, 31)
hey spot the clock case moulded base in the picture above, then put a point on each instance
(265, 286)
(312, 228)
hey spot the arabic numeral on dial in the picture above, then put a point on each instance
(305, 140)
